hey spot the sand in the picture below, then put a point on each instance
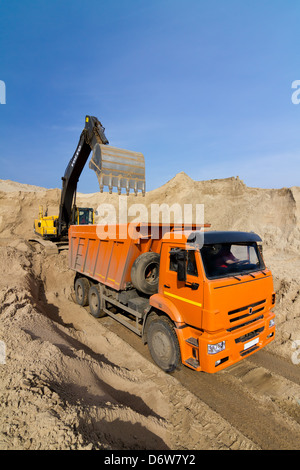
(69, 382)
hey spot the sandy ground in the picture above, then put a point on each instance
(69, 382)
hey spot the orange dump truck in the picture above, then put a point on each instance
(201, 298)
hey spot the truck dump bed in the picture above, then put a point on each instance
(109, 259)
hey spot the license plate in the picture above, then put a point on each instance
(250, 343)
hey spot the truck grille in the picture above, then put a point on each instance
(245, 323)
(249, 336)
(245, 312)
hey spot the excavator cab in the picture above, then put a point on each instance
(83, 216)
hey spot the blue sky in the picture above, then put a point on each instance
(197, 86)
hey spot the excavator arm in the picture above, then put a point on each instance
(92, 134)
(114, 168)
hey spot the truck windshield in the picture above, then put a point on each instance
(225, 259)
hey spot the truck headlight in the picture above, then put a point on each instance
(215, 348)
(271, 323)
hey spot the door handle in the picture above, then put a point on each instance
(193, 285)
(167, 286)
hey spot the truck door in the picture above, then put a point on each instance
(186, 295)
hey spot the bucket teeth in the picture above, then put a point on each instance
(118, 168)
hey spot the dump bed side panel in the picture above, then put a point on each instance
(102, 260)
(108, 261)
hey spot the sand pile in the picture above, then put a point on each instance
(45, 400)
(69, 383)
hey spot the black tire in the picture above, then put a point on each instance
(163, 344)
(82, 286)
(145, 273)
(95, 302)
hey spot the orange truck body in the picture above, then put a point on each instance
(234, 312)
(109, 260)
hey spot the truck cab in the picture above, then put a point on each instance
(218, 292)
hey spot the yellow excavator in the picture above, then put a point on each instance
(115, 168)
(46, 226)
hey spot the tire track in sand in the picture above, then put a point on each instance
(261, 404)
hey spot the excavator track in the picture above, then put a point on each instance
(51, 247)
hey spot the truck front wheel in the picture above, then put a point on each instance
(163, 344)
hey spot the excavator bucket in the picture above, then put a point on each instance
(118, 168)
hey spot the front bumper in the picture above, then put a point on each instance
(239, 343)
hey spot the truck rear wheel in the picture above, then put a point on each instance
(163, 344)
(95, 302)
(82, 286)
(145, 273)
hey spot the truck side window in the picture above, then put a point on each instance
(191, 262)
